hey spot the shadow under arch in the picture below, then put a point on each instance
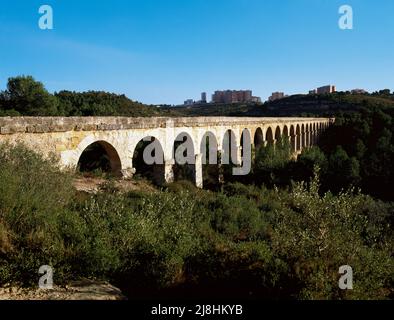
(100, 156)
(293, 137)
(210, 161)
(148, 160)
(298, 138)
(278, 134)
(269, 137)
(246, 137)
(258, 139)
(184, 158)
(228, 155)
(229, 148)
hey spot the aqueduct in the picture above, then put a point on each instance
(68, 138)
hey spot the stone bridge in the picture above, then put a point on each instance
(68, 138)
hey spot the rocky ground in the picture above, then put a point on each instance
(96, 184)
(82, 290)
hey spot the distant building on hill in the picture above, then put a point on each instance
(359, 91)
(277, 96)
(326, 89)
(234, 96)
(189, 102)
(256, 100)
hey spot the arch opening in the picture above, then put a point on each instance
(148, 160)
(210, 167)
(184, 158)
(298, 137)
(228, 156)
(258, 139)
(98, 158)
(293, 138)
(278, 135)
(245, 138)
(269, 137)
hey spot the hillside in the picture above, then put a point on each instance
(296, 105)
(27, 97)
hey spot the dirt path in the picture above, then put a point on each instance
(94, 185)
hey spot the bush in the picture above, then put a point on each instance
(33, 195)
(273, 243)
(321, 233)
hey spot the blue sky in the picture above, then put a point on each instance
(165, 51)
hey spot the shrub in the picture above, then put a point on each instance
(33, 195)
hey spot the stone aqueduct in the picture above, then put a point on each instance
(69, 137)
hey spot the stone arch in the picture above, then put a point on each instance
(258, 138)
(183, 153)
(148, 159)
(284, 139)
(247, 136)
(298, 136)
(229, 147)
(303, 136)
(186, 140)
(307, 136)
(293, 141)
(314, 133)
(311, 134)
(269, 136)
(209, 149)
(285, 131)
(100, 155)
(278, 134)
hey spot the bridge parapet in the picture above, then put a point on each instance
(10, 125)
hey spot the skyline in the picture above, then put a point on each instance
(161, 52)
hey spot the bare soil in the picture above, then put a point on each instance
(97, 184)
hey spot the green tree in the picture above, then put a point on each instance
(302, 169)
(343, 171)
(27, 96)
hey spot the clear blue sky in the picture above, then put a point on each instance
(165, 51)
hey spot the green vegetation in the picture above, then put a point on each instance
(271, 242)
(27, 97)
(325, 105)
(360, 149)
(281, 232)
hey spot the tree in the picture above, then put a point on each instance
(343, 171)
(304, 167)
(28, 97)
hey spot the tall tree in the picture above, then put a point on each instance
(28, 97)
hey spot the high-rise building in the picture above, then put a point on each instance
(233, 96)
(326, 89)
(203, 97)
